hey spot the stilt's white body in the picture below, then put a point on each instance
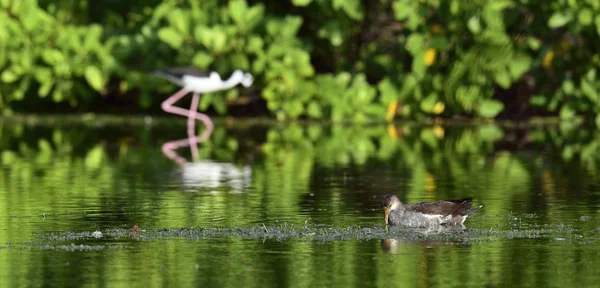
(214, 82)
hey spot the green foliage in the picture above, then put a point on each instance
(46, 57)
(343, 60)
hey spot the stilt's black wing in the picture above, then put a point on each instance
(179, 72)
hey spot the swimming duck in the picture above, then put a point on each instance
(426, 214)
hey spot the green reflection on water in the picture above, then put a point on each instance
(105, 175)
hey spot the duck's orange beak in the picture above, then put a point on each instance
(386, 212)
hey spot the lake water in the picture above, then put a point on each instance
(293, 205)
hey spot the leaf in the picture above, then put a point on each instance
(597, 23)
(255, 44)
(178, 20)
(52, 56)
(502, 77)
(314, 110)
(534, 43)
(237, 10)
(171, 37)
(291, 26)
(418, 65)
(301, 3)
(240, 61)
(566, 111)
(489, 108)
(351, 7)
(9, 76)
(254, 16)
(585, 16)
(598, 121)
(44, 89)
(519, 65)
(94, 77)
(219, 41)
(589, 90)
(568, 87)
(474, 25)
(430, 54)
(558, 20)
(220, 104)
(402, 10)
(429, 102)
(414, 44)
(202, 60)
(387, 91)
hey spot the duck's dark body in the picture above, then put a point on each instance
(425, 214)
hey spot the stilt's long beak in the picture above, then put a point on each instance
(386, 212)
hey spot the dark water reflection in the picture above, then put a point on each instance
(104, 174)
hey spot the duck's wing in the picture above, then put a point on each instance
(443, 207)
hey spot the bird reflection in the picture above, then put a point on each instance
(392, 245)
(205, 173)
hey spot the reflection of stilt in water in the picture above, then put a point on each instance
(206, 174)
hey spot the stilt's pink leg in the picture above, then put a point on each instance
(191, 126)
(167, 106)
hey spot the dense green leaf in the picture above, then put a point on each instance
(301, 3)
(490, 108)
(558, 20)
(429, 102)
(518, 66)
(585, 16)
(414, 44)
(53, 56)
(402, 9)
(202, 60)
(567, 112)
(589, 90)
(503, 78)
(314, 110)
(94, 77)
(9, 76)
(170, 36)
(238, 9)
(474, 25)
(179, 20)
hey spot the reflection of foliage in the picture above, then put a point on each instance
(104, 172)
(428, 162)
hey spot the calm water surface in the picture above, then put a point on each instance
(540, 189)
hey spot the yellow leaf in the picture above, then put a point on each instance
(548, 59)
(392, 131)
(438, 131)
(391, 111)
(429, 56)
(438, 108)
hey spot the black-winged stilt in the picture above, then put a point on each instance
(194, 80)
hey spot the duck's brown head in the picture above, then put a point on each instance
(390, 203)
